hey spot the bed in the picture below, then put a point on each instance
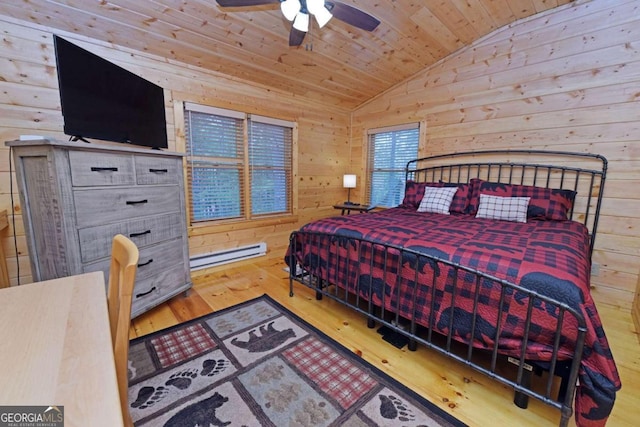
(488, 261)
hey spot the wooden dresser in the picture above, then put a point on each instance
(76, 196)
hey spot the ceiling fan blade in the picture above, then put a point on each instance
(239, 3)
(296, 37)
(352, 16)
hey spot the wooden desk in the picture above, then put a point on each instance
(55, 349)
(4, 273)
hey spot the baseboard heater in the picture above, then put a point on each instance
(226, 256)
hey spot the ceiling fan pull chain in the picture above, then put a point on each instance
(309, 46)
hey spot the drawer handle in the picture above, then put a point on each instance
(146, 293)
(158, 170)
(140, 234)
(108, 169)
(146, 263)
(137, 202)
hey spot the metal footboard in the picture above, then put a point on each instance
(463, 335)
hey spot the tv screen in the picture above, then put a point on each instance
(104, 101)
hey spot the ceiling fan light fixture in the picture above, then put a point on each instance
(313, 6)
(322, 16)
(290, 8)
(301, 22)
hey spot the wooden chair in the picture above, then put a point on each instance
(122, 276)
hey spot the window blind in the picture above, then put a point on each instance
(389, 150)
(214, 166)
(233, 173)
(270, 167)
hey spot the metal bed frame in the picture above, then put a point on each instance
(580, 172)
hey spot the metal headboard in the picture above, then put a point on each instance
(581, 172)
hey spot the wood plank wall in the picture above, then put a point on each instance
(30, 104)
(564, 80)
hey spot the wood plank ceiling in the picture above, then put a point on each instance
(338, 64)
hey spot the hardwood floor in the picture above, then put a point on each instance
(470, 396)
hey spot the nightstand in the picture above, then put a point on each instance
(348, 208)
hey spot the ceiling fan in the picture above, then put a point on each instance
(299, 12)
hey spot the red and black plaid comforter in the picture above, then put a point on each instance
(548, 257)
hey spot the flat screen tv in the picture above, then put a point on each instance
(104, 101)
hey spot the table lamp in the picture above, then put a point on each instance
(349, 182)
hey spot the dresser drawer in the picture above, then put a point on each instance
(157, 170)
(93, 169)
(95, 242)
(153, 260)
(148, 292)
(105, 205)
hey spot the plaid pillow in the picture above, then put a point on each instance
(414, 191)
(437, 200)
(545, 203)
(460, 199)
(474, 197)
(503, 208)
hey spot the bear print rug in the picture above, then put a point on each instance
(257, 364)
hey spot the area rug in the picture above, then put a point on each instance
(258, 364)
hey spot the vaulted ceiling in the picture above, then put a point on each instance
(337, 64)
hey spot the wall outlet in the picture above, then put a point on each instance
(595, 269)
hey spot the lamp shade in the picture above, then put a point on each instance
(349, 181)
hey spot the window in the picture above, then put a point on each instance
(389, 151)
(239, 166)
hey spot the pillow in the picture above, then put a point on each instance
(545, 203)
(437, 200)
(460, 199)
(414, 191)
(474, 195)
(503, 208)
